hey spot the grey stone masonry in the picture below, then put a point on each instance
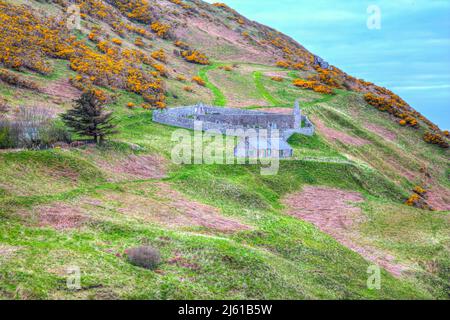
(223, 119)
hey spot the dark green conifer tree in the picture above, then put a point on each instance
(88, 118)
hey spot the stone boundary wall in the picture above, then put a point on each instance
(184, 117)
(278, 121)
(307, 129)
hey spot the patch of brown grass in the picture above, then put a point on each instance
(183, 262)
(161, 204)
(333, 134)
(7, 251)
(58, 215)
(381, 131)
(439, 198)
(218, 35)
(333, 212)
(276, 74)
(62, 88)
(135, 167)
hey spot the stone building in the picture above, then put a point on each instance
(228, 121)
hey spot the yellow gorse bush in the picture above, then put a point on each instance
(199, 81)
(277, 79)
(283, 64)
(29, 39)
(26, 40)
(190, 55)
(160, 29)
(313, 85)
(194, 56)
(159, 55)
(436, 138)
(116, 41)
(393, 106)
(139, 42)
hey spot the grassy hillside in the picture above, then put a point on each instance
(224, 231)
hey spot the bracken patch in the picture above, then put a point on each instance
(62, 88)
(135, 167)
(333, 212)
(162, 204)
(59, 216)
(439, 198)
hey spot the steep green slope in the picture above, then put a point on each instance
(85, 206)
(281, 257)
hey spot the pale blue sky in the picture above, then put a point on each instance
(410, 54)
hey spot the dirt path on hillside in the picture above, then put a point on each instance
(333, 211)
(282, 74)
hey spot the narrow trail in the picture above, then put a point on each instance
(325, 98)
(219, 98)
(257, 75)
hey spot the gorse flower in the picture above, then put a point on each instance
(195, 56)
(160, 29)
(28, 39)
(313, 85)
(199, 81)
(159, 55)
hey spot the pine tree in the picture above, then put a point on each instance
(88, 118)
